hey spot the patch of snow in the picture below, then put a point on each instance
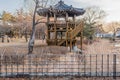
(117, 45)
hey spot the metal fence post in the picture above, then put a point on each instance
(96, 65)
(6, 65)
(90, 66)
(114, 66)
(29, 64)
(108, 65)
(102, 66)
(17, 63)
(0, 65)
(84, 65)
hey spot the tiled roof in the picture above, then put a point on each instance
(60, 8)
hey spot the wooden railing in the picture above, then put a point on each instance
(77, 29)
(61, 42)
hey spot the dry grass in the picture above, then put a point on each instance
(22, 48)
(56, 54)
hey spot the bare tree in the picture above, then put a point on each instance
(92, 17)
(38, 4)
(110, 27)
(21, 26)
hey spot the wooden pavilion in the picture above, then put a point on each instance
(61, 31)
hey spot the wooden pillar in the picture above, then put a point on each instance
(55, 28)
(67, 21)
(81, 40)
(66, 18)
(74, 18)
(48, 34)
(70, 45)
(61, 35)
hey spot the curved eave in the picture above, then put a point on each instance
(43, 12)
(77, 12)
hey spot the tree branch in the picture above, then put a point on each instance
(39, 22)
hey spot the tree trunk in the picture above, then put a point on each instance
(114, 36)
(32, 37)
(26, 35)
(2, 39)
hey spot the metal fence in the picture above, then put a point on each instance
(88, 65)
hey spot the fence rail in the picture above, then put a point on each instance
(88, 65)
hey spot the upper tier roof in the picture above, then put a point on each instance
(60, 9)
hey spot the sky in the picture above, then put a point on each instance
(111, 7)
(10, 5)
